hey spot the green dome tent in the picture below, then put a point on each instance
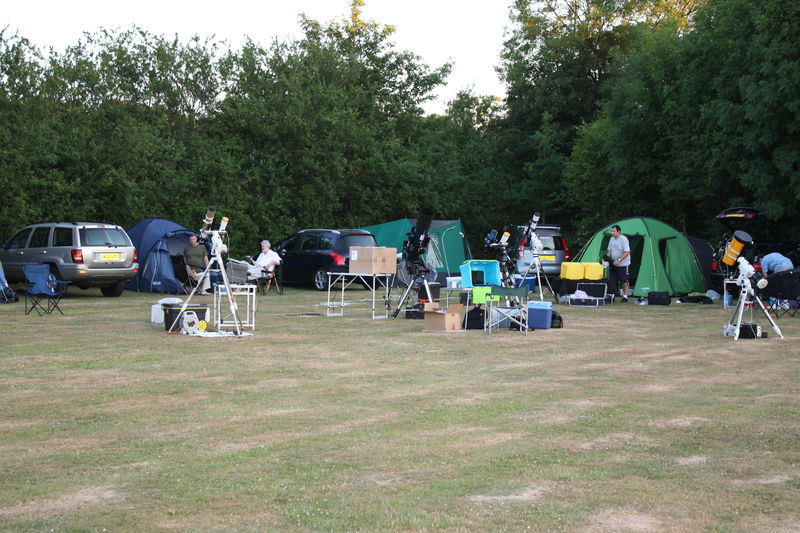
(661, 257)
(448, 246)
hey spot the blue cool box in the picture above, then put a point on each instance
(540, 315)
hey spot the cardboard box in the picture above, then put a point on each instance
(438, 320)
(372, 260)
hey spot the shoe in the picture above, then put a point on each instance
(624, 299)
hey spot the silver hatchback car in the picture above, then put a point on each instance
(89, 254)
(554, 251)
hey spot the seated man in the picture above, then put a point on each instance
(196, 259)
(265, 263)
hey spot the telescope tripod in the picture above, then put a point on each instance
(419, 274)
(216, 259)
(746, 294)
(538, 263)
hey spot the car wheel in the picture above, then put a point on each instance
(53, 277)
(113, 291)
(321, 279)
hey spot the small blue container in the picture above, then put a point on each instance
(489, 269)
(540, 315)
(529, 281)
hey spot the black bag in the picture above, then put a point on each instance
(476, 318)
(658, 298)
(556, 321)
(9, 296)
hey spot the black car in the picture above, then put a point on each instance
(756, 224)
(310, 254)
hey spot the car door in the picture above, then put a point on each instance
(290, 260)
(310, 256)
(15, 254)
(37, 245)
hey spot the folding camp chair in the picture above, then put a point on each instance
(783, 292)
(513, 314)
(41, 289)
(269, 279)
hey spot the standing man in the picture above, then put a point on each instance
(619, 249)
(196, 259)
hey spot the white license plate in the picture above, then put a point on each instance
(109, 256)
(547, 257)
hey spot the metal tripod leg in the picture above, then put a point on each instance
(408, 290)
(775, 327)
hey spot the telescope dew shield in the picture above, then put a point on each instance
(209, 219)
(735, 246)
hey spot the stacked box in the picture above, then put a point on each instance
(372, 260)
(540, 315)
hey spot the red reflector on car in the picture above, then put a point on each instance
(338, 259)
(77, 256)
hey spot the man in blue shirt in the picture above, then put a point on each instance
(775, 262)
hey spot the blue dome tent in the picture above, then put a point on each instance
(158, 241)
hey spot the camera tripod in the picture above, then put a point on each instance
(747, 294)
(218, 248)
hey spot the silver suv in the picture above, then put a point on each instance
(554, 250)
(89, 254)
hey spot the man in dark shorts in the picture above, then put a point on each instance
(619, 250)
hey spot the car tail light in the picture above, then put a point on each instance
(77, 256)
(521, 250)
(338, 259)
(567, 254)
(135, 255)
(714, 266)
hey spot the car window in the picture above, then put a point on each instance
(343, 245)
(310, 242)
(548, 242)
(39, 237)
(103, 237)
(326, 242)
(290, 244)
(62, 236)
(18, 240)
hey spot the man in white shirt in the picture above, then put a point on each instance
(265, 263)
(619, 249)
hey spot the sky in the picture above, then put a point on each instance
(468, 33)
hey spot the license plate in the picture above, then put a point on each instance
(109, 256)
(547, 257)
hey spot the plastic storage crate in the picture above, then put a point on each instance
(488, 270)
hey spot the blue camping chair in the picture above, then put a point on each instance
(42, 289)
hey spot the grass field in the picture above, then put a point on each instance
(629, 418)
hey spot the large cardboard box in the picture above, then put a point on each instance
(439, 320)
(372, 260)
